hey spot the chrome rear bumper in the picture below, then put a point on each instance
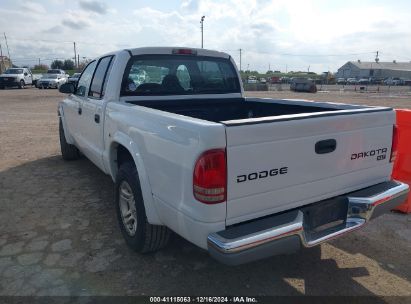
(286, 232)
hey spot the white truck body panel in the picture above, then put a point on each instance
(291, 144)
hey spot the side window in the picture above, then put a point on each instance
(183, 77)
(84, 81)
(100, 77)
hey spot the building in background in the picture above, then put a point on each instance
(378, 70)
(4, 64)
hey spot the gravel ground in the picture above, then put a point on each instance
(59, 235)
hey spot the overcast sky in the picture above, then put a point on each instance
(294, 35)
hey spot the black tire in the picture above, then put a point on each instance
(313, 89)
(147, 238)
(68, 152)
(21, 84)
(2, 88)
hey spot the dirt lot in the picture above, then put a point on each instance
(59, 235)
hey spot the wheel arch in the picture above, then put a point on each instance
(122, 149)
(60, 113)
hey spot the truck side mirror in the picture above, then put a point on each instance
(67, 88)
(25, 74)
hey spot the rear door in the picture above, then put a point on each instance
(283, 164)
(92, 117)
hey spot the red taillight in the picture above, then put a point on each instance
(210, 177)
(394, 146)
(184, 52)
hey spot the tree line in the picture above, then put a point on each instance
(57, 64)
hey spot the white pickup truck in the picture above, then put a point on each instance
(244, 178)
(16, 77)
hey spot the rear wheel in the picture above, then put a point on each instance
(21, 84)
(1, 87)
(137, 232)
(68, 152)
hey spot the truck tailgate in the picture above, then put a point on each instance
(286, 162)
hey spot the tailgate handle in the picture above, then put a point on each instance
(325, 146)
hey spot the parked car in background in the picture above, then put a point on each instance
(56, 71)
(274, 79)
(36, 77)
(285, 79)
(351, 81)
(388, 81)
(252, 79)
(263, 80)
(394, 81)
(364, 81)
(398, 82)
(374, 80)
(51, 81)
(16, 77)
(301, 84)
(74, 78)
(341, 81)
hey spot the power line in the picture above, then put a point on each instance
(310, 55)
(75, 55)
(302, 55)
(64, 41)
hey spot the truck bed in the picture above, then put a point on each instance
(284, 154)
(230, 111)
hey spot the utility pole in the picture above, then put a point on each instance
(75, 55)
(240, 58)
(2, 60)
(7, 46)
(39, 62)
(376, 57)
(78, 60)
(202, 31)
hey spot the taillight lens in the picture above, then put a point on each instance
(184, 52)
(394, 146)
(210, 177)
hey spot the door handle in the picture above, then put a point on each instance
(79, 111)
(97, 118)
(325, 146)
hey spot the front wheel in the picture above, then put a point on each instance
(21, 84)
(137, 232)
